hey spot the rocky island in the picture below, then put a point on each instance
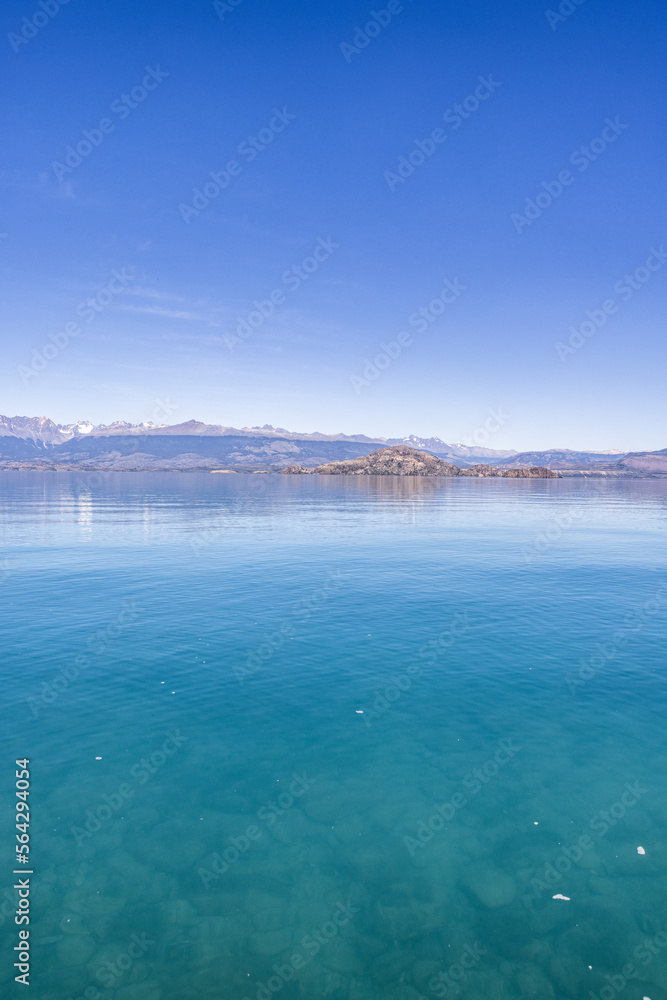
(403, 461)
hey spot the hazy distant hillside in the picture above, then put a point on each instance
(38, 442)
(560, 458)
(198, 445)
(651, 461)
(170, 451)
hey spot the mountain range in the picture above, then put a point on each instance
(40, 443)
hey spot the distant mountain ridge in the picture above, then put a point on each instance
(42, 430)
(40, 443)
(435, 445)
(647, 461)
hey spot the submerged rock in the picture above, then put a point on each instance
(341, 956)
(94, 906)
(532, 982)
(270, 942)
(492, 886)
(388, 969)
(569, 973)
(75, 949)
(74, 923)
(139, 991)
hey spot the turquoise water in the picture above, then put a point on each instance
(323, 737)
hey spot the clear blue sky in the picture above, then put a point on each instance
(167, 330)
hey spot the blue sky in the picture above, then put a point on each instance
(305, 131)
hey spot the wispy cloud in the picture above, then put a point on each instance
(145, 292)
(41, 183)
(168, 313)
(287, 329)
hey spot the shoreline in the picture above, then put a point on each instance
(560, 473)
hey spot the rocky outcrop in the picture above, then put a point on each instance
(397, 461)
(403, 461)
(537, 472)
(481, 471)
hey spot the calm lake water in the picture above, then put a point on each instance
(357, 739)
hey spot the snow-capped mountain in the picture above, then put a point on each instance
(440, 447)
(44, 431)
(193, 444)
